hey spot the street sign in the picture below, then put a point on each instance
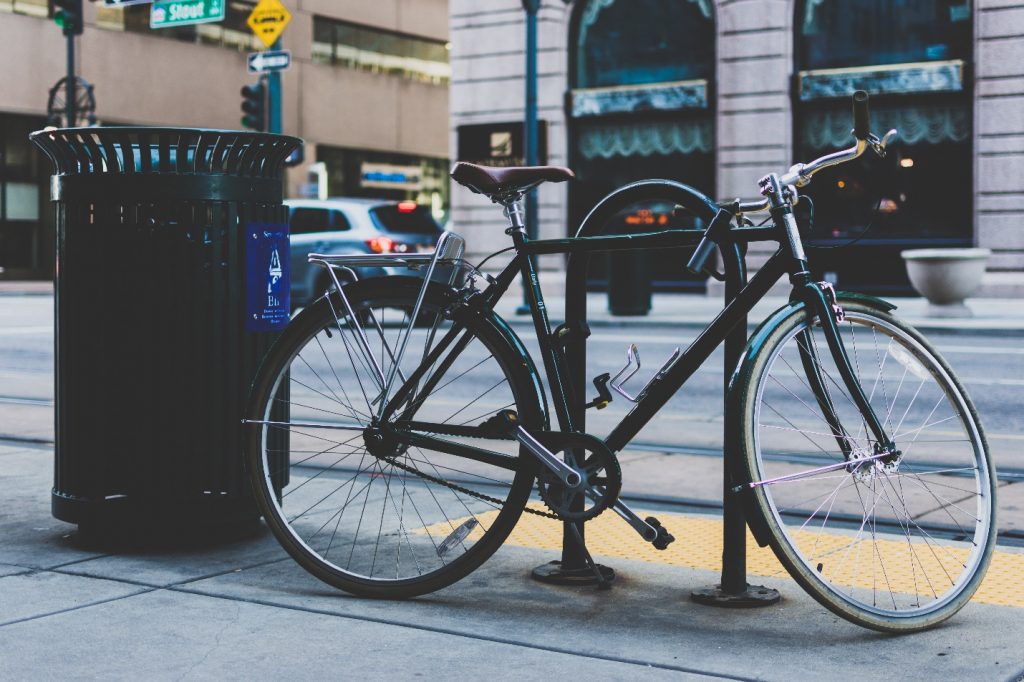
(167, 13)
(275, 60)
(268, 19)
(114, 4)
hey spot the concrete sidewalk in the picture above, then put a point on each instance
(243, 609)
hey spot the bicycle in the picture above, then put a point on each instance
(390, 473)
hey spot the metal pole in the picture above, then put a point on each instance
(274, 120)
(69, 85)
(733, 590)
(530, 125)
(734, 539)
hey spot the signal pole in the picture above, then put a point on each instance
(275, 124)
(70, 83)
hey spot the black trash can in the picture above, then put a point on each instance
(629, 283)
(154, 351)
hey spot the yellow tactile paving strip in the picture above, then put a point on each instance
(699, 545)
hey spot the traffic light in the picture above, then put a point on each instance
(254, 106)
(68, 15)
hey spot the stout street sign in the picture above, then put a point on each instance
(167, 13)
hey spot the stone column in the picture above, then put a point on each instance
(999, 143)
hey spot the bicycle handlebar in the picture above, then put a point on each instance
(861, 115)
(800, 174)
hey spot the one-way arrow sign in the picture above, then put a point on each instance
(261, 62)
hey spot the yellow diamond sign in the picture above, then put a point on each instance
(268, 19)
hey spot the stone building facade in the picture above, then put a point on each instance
(959, 97)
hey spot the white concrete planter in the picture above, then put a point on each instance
(946, 277)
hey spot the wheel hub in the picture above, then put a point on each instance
(865, 471)
(380, 444)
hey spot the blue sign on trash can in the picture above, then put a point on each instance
(267, 276)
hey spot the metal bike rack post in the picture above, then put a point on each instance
(733, 590)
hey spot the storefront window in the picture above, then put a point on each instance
(371, 49)
(385, 175)
(913, 57)
(836, 34)
(641, 108)
(644, 41)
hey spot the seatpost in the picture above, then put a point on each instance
(514, 213)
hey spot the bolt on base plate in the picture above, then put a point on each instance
(552, 573)
(755, 596)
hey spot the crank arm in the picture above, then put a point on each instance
(569, 476)
(646, 530)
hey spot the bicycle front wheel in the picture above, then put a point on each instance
(396, 521)
(895, 545)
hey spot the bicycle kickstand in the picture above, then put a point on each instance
(602, 582)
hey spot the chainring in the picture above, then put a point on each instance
(601, 473)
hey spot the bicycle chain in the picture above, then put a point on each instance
(461, 489)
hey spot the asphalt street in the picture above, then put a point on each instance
(667, 461)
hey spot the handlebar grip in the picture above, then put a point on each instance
(699, 259)
(861, 115)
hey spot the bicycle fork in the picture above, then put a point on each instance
(820, 299)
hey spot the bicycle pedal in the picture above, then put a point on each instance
(663, 539)
(604, 396)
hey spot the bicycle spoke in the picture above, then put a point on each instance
(374, 515)
(883, 549)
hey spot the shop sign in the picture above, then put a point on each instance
(389, 176)
(499, 144)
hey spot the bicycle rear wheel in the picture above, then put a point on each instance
(394, 522)
(896, 546)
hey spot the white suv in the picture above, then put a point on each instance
(349, 225)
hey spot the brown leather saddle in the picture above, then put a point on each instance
(504, 184)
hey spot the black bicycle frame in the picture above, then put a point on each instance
(666, 384)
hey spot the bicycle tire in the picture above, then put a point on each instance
(302, 379)
(935, 506)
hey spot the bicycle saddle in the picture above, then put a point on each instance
(502, 183)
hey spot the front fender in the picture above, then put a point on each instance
(755, 346)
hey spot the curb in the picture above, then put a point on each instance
(925, 326)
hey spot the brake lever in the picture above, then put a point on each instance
(879, 145)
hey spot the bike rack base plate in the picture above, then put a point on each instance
(552, 573)
(755, 596)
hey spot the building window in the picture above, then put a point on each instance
(371, 49)
(913, 57)
(233, 32)
(387, 175)
(640, 41)
(25, 246)
(33, 8)
(837, 34)
(640, 107)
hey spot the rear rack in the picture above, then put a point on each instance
(447, 254)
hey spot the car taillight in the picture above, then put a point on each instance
(381, 244)
(406, 206)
